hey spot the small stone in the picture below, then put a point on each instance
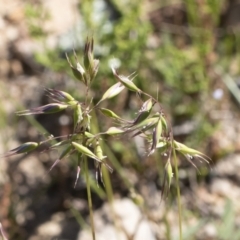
(128, 216)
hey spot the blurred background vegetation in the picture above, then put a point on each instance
(186, 54)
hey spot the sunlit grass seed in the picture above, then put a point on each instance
(169, 173)
(125, 81)
(84, 150)
(113, 91)
(98, 166)
(164, 122)
(114, 131)
(111, 114)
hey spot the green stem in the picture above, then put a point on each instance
(109, 191)
(178, 194)
(89, 197)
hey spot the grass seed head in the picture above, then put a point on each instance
(24, 148)
(190, 153)
(88, 54)
(169, 173)
(111, 114)
(46, 109)
(156, 135)
(78, 71)
(125, 81)
(114, 131)
(60, 96)
(77, 115)
(113, 91)
(144, 125)
(84, 150)
(91, 65)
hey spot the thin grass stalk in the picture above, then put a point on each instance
(106, 177)
(97, 189)
(108, 186)
(168, 228)
(117, 166)
(79, 218)
(178, 193)
(89, 197)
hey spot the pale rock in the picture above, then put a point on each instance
(34, 171)
(129, 220)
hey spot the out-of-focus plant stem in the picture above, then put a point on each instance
(178, 193)
(89, 197)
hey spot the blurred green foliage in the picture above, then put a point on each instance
(177, 68)
(174, 47)
(35, 15)
(174, 59)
